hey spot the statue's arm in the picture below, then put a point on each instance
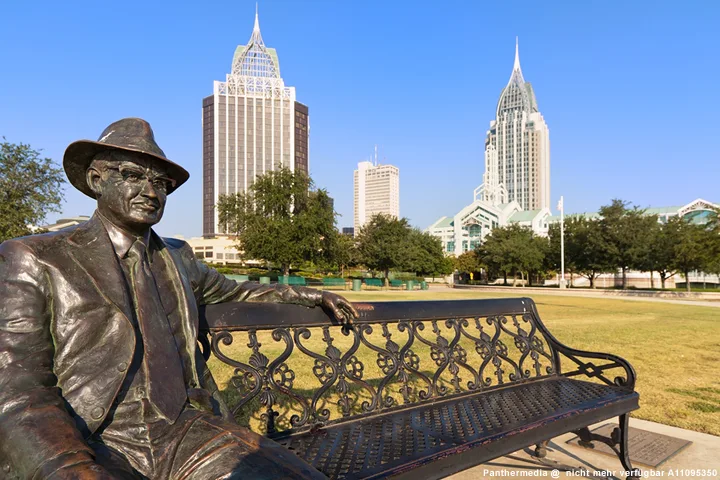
(39, 438)
(213, 287)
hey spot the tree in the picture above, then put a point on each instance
(692, 250)
(514, 249)
(30, 188)
(424, 255)
(589, 248)
(660, 254)
(713, 227)
(381, 243)
(468, 262)
(282, 219)
(344, 252)
(625, 235)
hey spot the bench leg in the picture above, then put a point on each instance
(541, 449)
(618, 437)
(621, 437)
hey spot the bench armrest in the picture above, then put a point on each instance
(587, 367)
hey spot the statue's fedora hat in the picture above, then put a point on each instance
(128, 135)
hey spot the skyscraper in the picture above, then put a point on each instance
(517, 148)
(377, 190)
(251, 124)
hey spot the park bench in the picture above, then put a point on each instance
(334, 282)
(374, 282)
(397, 284)
(293, 280)
(413, 389)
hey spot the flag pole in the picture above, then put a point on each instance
(561, 207)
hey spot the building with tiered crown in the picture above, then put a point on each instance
(252, 124)
(516, 183)
(517, 148)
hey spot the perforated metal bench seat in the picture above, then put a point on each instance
(451, 435)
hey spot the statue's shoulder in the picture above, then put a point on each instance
(175, 243)
(41, 242)
(180, 249)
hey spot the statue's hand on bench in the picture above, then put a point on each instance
(341, 308)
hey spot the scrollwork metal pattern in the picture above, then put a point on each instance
(379, 365)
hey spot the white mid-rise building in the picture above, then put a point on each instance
(377, 190)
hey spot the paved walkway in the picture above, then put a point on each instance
(702, 454)
(526, 292)
(520, 291)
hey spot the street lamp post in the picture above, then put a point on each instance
(561, 207)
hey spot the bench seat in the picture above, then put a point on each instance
(418, 389)
(447, 436)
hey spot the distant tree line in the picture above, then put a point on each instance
(621, 238)
(284, 220)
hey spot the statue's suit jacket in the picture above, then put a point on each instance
(66, 337)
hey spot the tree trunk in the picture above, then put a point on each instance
(571, 279)
(286, 270)
(505, 279)
(387, 282)
(342, 271)
(662, 280)
(529, 279)
(624, 278)
(592, 279)
(652, 280)
(687, 281)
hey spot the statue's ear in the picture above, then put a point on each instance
(94, 180)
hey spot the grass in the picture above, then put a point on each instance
(675, 350)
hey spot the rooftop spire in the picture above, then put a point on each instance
(516, 76)
(256, 28)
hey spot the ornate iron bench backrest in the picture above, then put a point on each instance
(301, 371)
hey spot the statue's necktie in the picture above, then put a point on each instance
(166, 383)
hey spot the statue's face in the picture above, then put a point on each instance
(131, 191)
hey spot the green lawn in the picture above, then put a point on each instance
(675, 350)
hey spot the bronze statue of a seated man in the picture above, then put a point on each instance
(100, 374)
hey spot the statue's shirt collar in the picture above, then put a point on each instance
(120, 239)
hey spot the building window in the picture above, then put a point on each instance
(219, 256)
(208, 254)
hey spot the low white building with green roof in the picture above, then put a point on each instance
(468, 228)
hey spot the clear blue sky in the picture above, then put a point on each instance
(628, 89)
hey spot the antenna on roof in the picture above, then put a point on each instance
(376, 162)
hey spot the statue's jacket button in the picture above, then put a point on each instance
(97, 413)
(122, 367)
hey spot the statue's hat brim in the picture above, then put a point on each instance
(128, 135)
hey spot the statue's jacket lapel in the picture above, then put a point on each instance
(94, 337)
(187, 307)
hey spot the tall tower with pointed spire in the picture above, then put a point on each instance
(517, 148)
(252, 124)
